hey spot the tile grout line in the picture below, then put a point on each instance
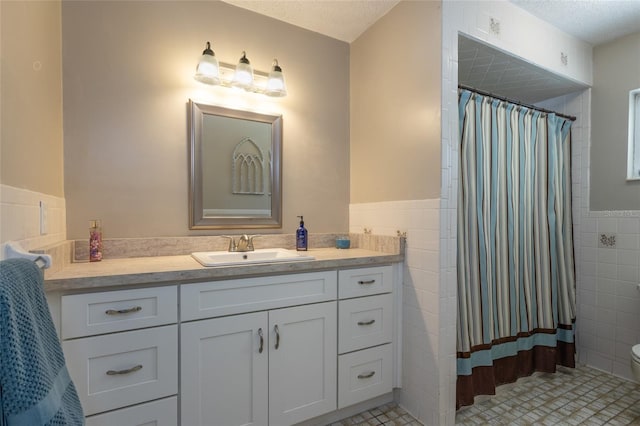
(569, 397)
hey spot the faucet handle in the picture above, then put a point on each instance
(232, 242)
(250, 241)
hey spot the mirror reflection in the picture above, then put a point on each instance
(235, 168)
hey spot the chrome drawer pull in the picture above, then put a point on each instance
(366, 282)
(261, 340)
(123, 311)
(366, 322)
(127, 371)
(366, 375)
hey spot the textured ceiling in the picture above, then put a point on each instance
(340, 19)
(488, 69)
(480, 66)
(594, 21)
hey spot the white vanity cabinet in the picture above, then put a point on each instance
(272, 350)
(276, 367)
(366, 323)
(121, 349)
(273, 367)
(224, 377)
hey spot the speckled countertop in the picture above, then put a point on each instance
(164, 270)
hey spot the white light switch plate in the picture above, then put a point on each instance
(43, 218)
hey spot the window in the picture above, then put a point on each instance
(633, 171)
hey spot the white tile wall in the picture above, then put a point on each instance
(20, 218)
(422, 308)
(608, 316)
(610, 296)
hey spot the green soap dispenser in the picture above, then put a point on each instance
(302, 239)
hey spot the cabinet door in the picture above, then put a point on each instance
(224, 371)
(302, 362)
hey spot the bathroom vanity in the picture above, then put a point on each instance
(169, 341)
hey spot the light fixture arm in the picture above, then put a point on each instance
(208, 50)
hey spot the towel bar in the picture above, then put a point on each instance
(13, 249)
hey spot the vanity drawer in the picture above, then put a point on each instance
(365, 281)
(163, 412)
(365, 322)
(122, 369)
(365, 374)
(106, 312)
(218, 298)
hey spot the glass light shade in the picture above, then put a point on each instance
(208, 70)
(275, 84)
(243, 76)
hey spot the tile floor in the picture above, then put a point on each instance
(388, 415)
(580, 396)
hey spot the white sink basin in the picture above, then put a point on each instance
(225, 258)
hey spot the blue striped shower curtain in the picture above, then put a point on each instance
(516, 277)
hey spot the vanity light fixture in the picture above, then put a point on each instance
(208, 69)
(243, 77)
(275, 84)
(214, 73)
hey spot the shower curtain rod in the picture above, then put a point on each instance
(502, 98)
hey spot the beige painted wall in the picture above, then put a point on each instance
(31, 146)
(395, 106)
(616, 71)
(128, 70)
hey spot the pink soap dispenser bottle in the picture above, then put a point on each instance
(95, 241)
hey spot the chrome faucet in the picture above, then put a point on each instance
(245, 243)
